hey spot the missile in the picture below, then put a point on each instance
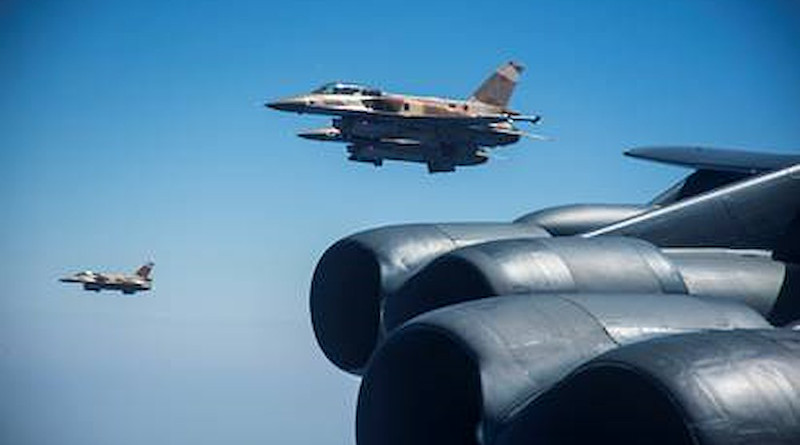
(330, 134)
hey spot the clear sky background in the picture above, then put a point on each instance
(132, 131)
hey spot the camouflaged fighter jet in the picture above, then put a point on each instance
(128, 284)
(442, 133)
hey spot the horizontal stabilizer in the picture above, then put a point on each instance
(716, 159)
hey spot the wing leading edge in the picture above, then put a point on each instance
(757, 213)
(715, 159)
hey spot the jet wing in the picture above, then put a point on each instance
(715, 159)
(453, 119)
(540, 333)
(714, 167)
(456, 120)
(400, 142)
(472, 120)
(758, 213)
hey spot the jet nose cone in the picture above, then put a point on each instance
(296, 105)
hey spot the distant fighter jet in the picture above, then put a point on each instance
(442, 133)
(128, 284)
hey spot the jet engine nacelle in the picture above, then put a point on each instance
(461, 374)
(593, 266)
(709, 388)
(653, 329)
(357, 273)
(579, 218)
(354, 275)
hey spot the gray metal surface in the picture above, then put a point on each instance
(709, 388)
(752, 214)
(579, 218)
(462, 372)
(354, 275)
(717, 159)
(504, 267)
(597, 265)
(649, 330)
(751, 277)
(698, 182)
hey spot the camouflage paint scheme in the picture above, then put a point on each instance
(128, 284)
(442, 133)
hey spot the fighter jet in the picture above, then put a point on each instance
(442, 133)
(128, 284)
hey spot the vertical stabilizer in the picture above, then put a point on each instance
(144, 271)
(497, 89)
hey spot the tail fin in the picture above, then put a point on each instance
(497, 89)
(144, 271)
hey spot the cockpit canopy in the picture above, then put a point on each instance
(346, 89)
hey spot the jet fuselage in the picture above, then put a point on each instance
(440, 132)
(128, 284)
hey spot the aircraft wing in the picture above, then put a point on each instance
(453, 119)
(400, 142)
(472, 120)
(756, 213)
(715, 159)
(607, 337)
(713, 167)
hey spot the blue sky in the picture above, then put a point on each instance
(133, 130)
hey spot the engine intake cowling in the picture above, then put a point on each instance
(355, 274)
(459, 375)
(579, 218)
(553, 265)
(709, 388)
(597, 265)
